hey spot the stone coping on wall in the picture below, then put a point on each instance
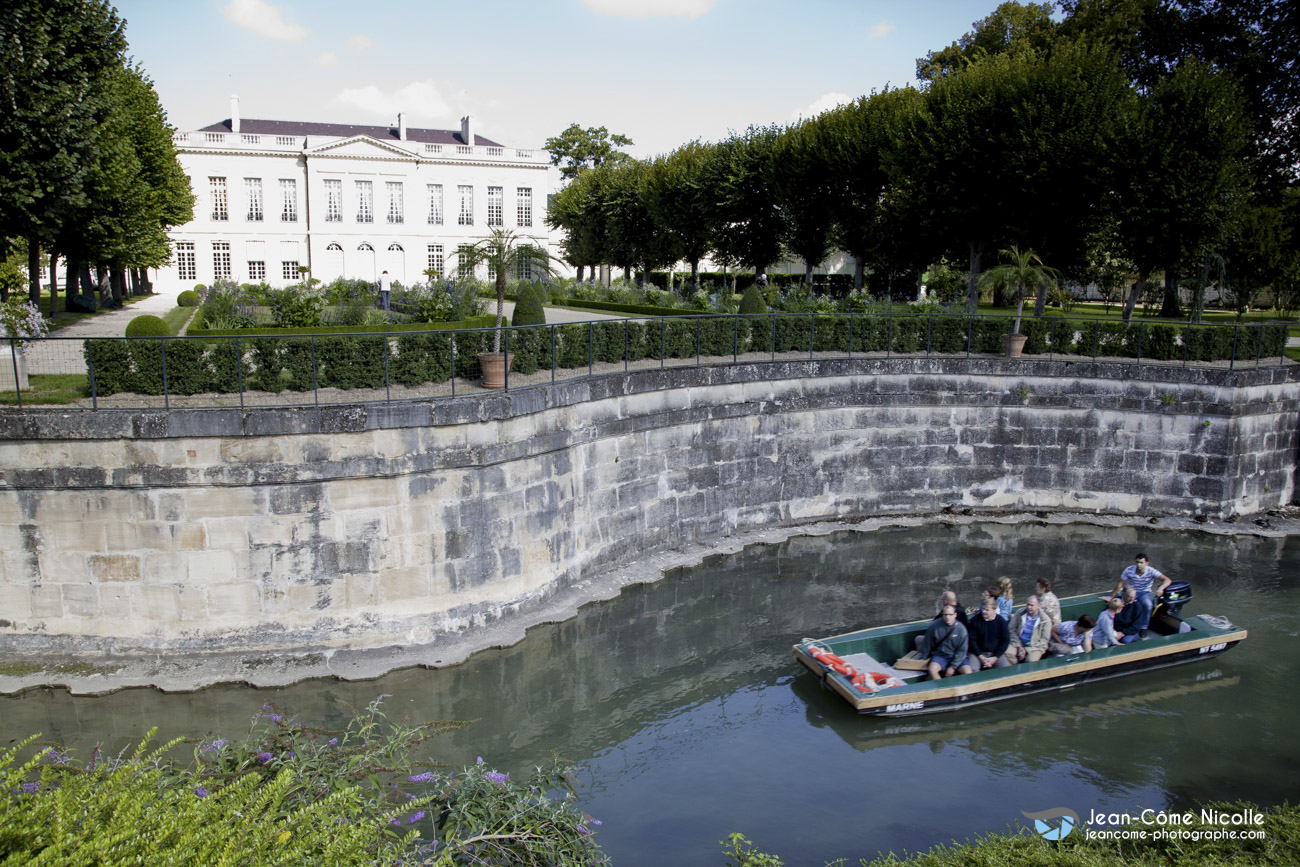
(180, 672)
(1150, 387)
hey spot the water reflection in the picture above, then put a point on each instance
(691, 719)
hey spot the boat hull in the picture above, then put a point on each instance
(1200, 641)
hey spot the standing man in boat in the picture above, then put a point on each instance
(1141, 577)
(946, 643)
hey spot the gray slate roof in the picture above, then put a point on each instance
(253, 126)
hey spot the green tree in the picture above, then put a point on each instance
(578, 209)
(503, 253)
(57, 58)
(1183, 177)
(577, 149)
(801, 175)
(1010, 28)
(679, 200)
(1024, 269)
(748, 220)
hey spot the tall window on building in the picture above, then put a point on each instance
(496, 206)
(333, 201)
(253, 191)
(221, 260)
(435, 204)
(396, 205)
(186, 266)
(220, 204)
(464, 265)
(435, 260)
(289, 271)
(525, 267)
(524, 206)
(365, 202)
(288, 200)
(256, 269)
(466, 217)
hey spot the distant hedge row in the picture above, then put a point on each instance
(197, 365)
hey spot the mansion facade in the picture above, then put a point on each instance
(274, 197)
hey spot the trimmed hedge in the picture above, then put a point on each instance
(147, 325)
(329, 359)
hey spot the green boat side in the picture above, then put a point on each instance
(1201, 639)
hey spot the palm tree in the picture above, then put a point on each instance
(503, 253)
(1024, 269)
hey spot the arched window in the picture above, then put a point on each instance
(366, 248)
(395, 248)
(333, 261)
(333, 248)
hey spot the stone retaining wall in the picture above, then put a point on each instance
(376, 525)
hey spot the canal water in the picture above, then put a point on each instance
(690, 719)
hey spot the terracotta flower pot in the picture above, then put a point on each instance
(1015, 345)
(493, 365)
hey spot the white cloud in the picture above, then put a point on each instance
(328, 58)
(263, 19)
(825, 102)
(649, 8)
(880, 30)
(360, 42)
(420, 98)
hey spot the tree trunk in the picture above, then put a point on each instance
(1134, 294)
(117, 280)
(627, 273)
(695, 277)
(920, 285)
(1040, 304)
(69, 281)
(807, 273)
(580, 267)
(145, 283)
(972, 283)
(1171, 308)
(88, 287)
(34, 272)
(105, 291)
(859, 273)
(54, 284)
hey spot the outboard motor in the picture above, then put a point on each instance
(1175, 595)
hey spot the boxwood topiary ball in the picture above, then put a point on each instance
(147, 326)
(188, 298)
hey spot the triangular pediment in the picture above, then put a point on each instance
(361, 146)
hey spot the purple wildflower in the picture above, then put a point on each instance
(30, 788)
(264, 757)
(496, 777)
(266, 705)
(273, 717)
(415, 818)
(334, 742)
(583, 829)
(480, 761)
(426, 777)
(215, 745)
(201, 792)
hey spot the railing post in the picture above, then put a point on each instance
(812, 334)
(162, 354)
(627, 327)
(1232, 362)
(239, 371)
(13, 358)
(970, 331)
(1141, 327)
(315, 380)
(663, 342)
(735, 338)
(889, 336)
(1096, 337)
(453, 364)
(929, 332)
(697, 341)
(591, 349)
(505, 357)
(388, 391)
(553, 364)
(773, 336)
(850, 335)
(1259, 345)
(90, 369)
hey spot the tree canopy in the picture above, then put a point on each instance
(577, 149)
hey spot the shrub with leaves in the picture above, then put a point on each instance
(188, 298)
(295, 307)
(225, 305)
(20, 319)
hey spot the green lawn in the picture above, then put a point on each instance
(50, 388)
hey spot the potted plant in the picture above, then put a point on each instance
(1024, 269)
(503, 252)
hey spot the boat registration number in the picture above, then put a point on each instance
(1223, 645)
(907, 705)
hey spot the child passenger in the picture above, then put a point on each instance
(1006, 599)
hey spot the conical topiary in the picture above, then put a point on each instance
(528, 307)
(752, 301)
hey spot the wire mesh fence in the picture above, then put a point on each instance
(263, 369)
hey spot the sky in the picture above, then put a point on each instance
(662, 72)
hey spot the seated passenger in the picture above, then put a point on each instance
(989, 637)
(1006, 599)
(1031, 629)
(1126, 621)
(1072, 636)
(945, 643)
(947, 598)
(1104, 634)
(1047, 601)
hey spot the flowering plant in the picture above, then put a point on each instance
(22, 320)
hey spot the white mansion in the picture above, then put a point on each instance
(346, 200)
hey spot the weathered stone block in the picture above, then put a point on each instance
(80, 600)
(114, 567)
